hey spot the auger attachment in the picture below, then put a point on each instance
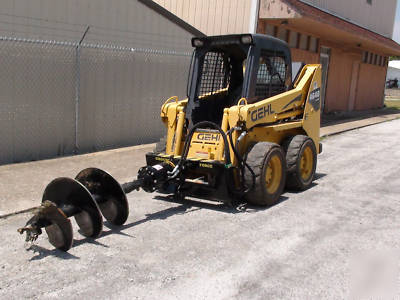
(93, 192)
(64, 198)
(108, 194)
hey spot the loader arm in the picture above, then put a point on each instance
(299, 107)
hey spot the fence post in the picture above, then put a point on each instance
(78, 87)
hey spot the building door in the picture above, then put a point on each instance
(324, 60)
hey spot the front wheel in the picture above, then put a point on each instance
(267, 160)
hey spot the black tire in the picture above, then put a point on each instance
(300, 173)
(161, 145)
(258, 158)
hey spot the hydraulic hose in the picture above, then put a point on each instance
(241, 161)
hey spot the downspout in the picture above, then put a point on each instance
(254, 10)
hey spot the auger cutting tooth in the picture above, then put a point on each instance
(58, 227)
(107, 193)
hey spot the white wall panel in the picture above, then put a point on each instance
(212, 17)
(378, 17)
(121, 90)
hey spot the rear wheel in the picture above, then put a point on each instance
(267, 160)
(301, 160)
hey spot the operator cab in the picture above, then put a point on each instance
(226, 68)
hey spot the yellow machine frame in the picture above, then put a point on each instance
(262, 119)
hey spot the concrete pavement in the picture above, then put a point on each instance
(22, 185)
(337, 240)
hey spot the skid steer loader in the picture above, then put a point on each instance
(248, 128)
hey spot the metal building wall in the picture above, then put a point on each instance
(36, 101)
(125, 22)
(122, 94)
(130, 61)
(213, 17)
(377, 16)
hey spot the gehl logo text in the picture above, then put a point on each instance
(261, 112)
(214, 137)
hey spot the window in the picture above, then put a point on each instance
(303, 42)
(282, 34)
(365, 57)
(371, 57)
(369, 2)
(293, 39)
(313, 44)
(270, 29)
(271, 75)
(215, 73)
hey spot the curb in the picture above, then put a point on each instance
(18, 212)
(92, 154)
(380, 119)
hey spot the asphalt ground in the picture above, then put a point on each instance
(22, 184)
(337, 240)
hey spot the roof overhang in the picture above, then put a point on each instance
(324, 25)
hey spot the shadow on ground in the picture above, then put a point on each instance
(313, 184)
(187, 205)
(43, 252)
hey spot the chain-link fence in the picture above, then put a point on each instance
(60, 98)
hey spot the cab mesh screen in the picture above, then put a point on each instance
(215, 73)
(271, 75)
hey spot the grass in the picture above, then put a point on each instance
(394, 104)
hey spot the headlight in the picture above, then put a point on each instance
(246, 39)
(197, 43)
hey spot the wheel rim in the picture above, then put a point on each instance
(273, 174)
(306, 163)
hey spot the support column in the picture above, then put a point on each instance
(353, 85)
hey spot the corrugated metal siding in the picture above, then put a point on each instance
(379, 16)
(125, 22)
(122, 94)
(121, 91)
(36, 101)
(212, 17)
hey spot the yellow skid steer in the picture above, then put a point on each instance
(248, 128)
